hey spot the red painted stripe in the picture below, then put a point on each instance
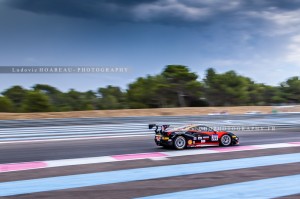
(138, 156)
(296, 143)
(22, 166)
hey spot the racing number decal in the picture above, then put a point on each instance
(214, 138)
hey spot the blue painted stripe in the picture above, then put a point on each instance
(267, 188)
(100, 178)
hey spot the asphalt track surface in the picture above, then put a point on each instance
(287, 129)
(25, 152)
(55, 150)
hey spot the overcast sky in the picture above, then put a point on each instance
(256, 38)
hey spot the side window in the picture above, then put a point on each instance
(200, 128)
(193, 129)
(204, 128)
(197, 128)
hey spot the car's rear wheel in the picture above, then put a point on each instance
(179, 142)
(225, 140)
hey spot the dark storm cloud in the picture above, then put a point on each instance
(70, 8)
(95, 9)
(156, 11)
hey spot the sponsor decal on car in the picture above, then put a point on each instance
(190, 142)
(205, 137)
(165, 138)
(214, 138)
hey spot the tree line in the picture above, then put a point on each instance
(175, 86)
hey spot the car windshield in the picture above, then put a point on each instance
(182, 127)
(203, 128)
(193, 127)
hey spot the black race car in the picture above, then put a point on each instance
(192, 135)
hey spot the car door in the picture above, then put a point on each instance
(207, 136)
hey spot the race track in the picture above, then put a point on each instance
(126, 148)
(38, 151)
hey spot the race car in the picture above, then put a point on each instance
(192, 135)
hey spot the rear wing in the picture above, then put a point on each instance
(151, 126)
(162, 127)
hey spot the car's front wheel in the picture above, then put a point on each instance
(179, 142)
(225, 140)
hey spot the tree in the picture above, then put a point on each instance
(17, 95)
(57, 98)
(272, 95)
(111, 97)
(91, 100)
(175, 86)
(212, 87)
(291, 90)
(256, 93)
(148, 92)
(226, 89)
(36, 102)
(75, 100)
(78, 101)
(182, 83)
(6, 104)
